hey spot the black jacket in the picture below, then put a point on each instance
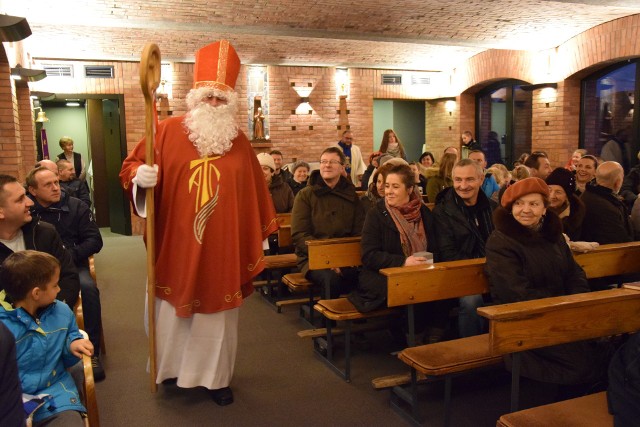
(381, 248)
(572, 224)
(296, 186)
(525, 265)
(78, 189)
(281, 194)
(606, 219)
(11, 409)
(631, 186)
(43, 237)
(457, 238)
(74, 222)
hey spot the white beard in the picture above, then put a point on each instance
(211, 129)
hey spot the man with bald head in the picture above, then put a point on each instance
(47, 164)
(606, 219)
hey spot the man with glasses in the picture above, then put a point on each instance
(328, 207)
(354, 165)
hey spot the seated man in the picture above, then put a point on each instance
(606, 218)
(489, 183)
(81, 236)
(328, 207)
(19, 231)
(538, 164)
(72, 185)
(463, 224)
(47, 337)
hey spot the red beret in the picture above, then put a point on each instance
(522, 188)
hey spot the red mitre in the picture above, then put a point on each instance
(217, 66)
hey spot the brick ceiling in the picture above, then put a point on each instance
(433, 35)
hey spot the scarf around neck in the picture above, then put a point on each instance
(408, 221)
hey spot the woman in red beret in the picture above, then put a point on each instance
(527, 259)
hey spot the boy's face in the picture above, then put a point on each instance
(50, 291)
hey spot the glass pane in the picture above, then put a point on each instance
(505, 117)
(608, 109)
(521, 123)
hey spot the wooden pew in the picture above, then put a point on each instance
(412, 285)
(88, 391)
(526, 325)
(587, 411)
(337, 253)
(279, 261)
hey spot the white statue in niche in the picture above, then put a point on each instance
(258, 125)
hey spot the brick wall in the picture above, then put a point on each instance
(554, 122)
(442, 128)
(11, 158)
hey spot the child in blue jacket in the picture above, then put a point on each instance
(47, 337)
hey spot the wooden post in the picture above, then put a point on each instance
(150, 66)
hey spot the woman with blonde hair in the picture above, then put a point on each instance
(443, 179)
(391, 144)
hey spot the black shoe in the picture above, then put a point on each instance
(170, 381)
(98, 370)
(222, 396)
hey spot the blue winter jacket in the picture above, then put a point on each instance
(43, 354)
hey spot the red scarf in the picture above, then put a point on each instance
(408, 220)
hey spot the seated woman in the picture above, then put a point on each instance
(395, 230)
(420, 180)
(572, 163)
(528, 259)
(391, 145)
(564, 202)
(281, 194)
(426, 159)
(585, 172)
(299, 178)
(442, 180)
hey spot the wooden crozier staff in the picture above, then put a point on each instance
(150, 66)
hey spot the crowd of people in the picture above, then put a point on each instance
(211, 197)
(520, 219)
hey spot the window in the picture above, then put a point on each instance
(503, 110)
(608, 118)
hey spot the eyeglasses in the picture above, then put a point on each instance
(330, 162)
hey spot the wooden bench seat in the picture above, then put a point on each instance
(296, 282)
(411, 285)
(586, 411)
(280, 261)
(451, 357)
(324, 254)
(341, 309)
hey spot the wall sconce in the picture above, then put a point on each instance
(27, 74)
(303, 92)
(13, 28)
(342, 82)
(450, 106)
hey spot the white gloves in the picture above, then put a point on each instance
(146, 176)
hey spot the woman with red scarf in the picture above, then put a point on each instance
(396, 229)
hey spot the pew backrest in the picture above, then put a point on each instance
(545, 322)
(454, 279)
(334, 253)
